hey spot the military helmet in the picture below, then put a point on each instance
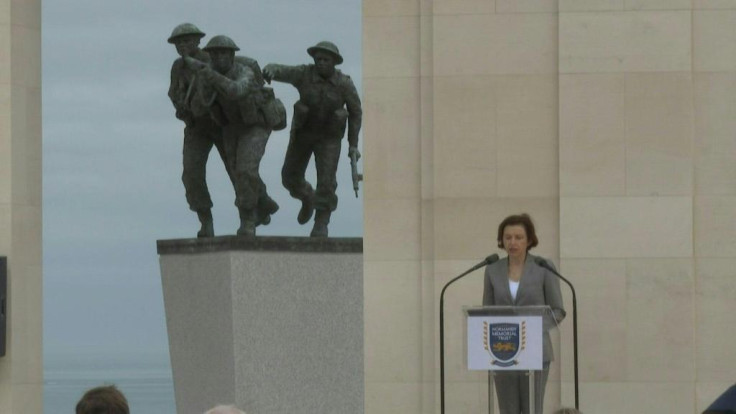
(185, 29)
(221, 42)
(328, 47)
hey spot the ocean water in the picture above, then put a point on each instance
(145, 380)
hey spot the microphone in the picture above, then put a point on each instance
(543, 263)
(487, 261)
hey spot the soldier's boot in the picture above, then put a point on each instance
(247, 222)
(321, 220)
(305, 213)
(205, 218)
(266, 207)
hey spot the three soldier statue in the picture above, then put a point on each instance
(224, 102)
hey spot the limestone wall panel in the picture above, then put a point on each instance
(26, 13)
(713, 40)
(457, 7)
(468, 226)
(660, 308)
(714, 226)
(707, 392)
(601, 287)
(590, 5)
(26, 62)
(714, 4)
(653, 41)
(715, 319)
(626, 227)
(527, 142)
(715, 127)
(659, 134)
(392, 229)
(526, 6)
(638, 397)
(383, 8)
(25, 325)
(637, 5)
(488, 44)
(6, 146)
(392, 295)
(393, 398)
(392, 136)
(390, 46)
(592, 142)
(5, 62)
(464, 141)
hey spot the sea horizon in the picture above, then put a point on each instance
(144, 378)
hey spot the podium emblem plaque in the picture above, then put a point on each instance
(504, 342)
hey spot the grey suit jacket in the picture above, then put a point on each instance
(537, 287)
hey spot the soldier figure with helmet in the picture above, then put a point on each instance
(232, 90)
(200, 132)
(327, 101)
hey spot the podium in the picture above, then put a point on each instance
(518, 347)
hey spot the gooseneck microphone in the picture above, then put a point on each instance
(487, 261)
(543, 263)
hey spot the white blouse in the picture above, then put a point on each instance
(513, 287)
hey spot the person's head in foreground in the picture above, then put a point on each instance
(224, 409)
(103, 400)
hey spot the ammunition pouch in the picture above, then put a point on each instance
(301, 111)
(274, 112)
(338, 123)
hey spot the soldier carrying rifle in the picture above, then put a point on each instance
(327, 102)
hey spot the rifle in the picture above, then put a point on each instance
(357, 177)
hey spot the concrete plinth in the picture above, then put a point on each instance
(271, 324)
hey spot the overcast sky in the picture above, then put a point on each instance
(112, 153)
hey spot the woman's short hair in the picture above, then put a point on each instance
(516, 220)
(103, 400)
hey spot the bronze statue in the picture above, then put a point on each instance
(200, 132)
(327, 101)
(232, 89)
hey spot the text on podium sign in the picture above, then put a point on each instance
(511, 343)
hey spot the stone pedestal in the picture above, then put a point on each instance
(271, 324)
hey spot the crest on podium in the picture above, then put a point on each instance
(504, 342)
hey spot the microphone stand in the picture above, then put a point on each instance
(541, 262)
(488, 260)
